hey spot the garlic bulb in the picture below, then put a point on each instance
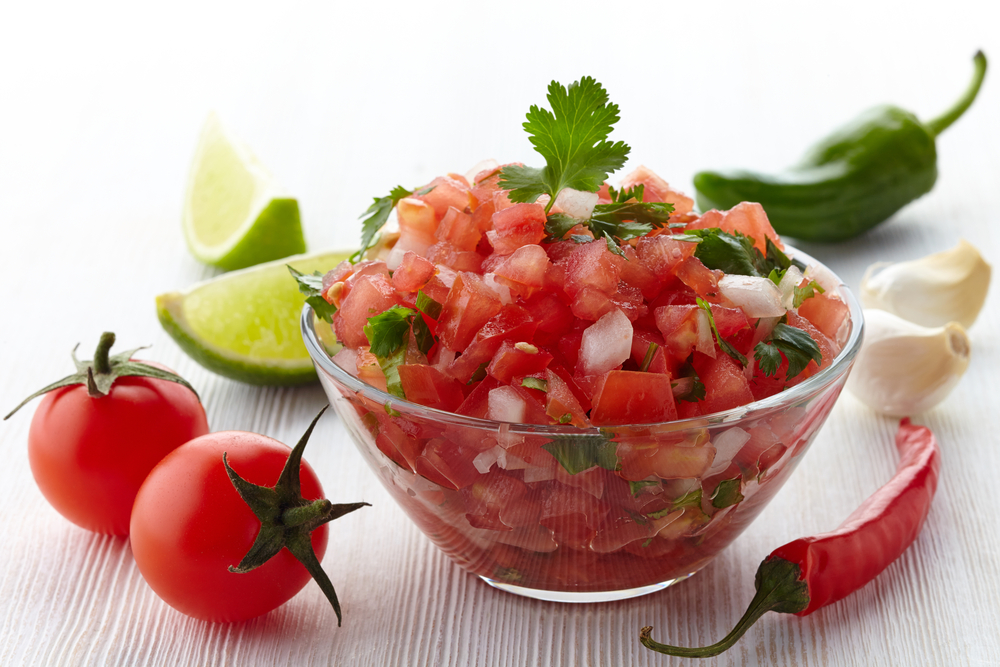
(948, 286)
(904, 368)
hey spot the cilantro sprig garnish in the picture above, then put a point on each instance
(572, 138)
(798, 346)
(312, 286)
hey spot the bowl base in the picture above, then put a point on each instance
(596, 596)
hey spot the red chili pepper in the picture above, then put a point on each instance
(812, 572)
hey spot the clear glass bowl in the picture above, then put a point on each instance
(582, 515)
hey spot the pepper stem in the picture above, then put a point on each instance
(941, 123)
(779, 588)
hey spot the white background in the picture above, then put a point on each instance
(100, 107)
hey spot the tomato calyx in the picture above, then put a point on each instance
(99, 374)
(287, 519)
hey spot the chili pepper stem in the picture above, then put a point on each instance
(779, 588)
(941, 123)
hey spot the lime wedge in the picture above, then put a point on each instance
(235, 214)
(245, 324)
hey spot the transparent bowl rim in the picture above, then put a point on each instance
(811, 386)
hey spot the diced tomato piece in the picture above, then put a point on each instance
(470, 304)
(641, 340)
(593, 265)
(657, 190)
(684, 329)
(524, 270)
(428, 386)
(628, 299)
(632, 397)
(828, 314)
(445, 253)
(517, 359)
(519, 225)
(447, 192)
(701, 279)
(572, 515)
(561, 405)
(577, 390)
(550, 312)
(338, 274)
(591, 304)
(458, 229)
(417, 224)
(512, 323)
(447, 463)
(370, 295)
(488, 497)
(369, 370)
(637, 275)
(413, 273)
(726, 386)
(661, 254)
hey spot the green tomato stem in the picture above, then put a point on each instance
(102, 362)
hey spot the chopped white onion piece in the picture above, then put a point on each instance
(758, 297)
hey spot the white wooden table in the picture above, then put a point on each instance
(101, 106)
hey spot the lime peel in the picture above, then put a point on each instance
(244, 325)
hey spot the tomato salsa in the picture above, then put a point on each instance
(477, 307)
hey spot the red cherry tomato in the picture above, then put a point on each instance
(189, 525)
(89, 456)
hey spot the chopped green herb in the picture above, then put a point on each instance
(797, 345)
(390, 367)
(387, 331)
(807, 291)
(428, 306)
(312, 287)
(576, 453)
(689, 499)
(637, 487)
(377, 214)
(478, 374)
(727, 493)
(723, 345)
(648, 359)
(535, 383)
(566, 418)
(647, 542)
(389, 410)
(422, 334)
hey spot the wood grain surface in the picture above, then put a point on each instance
(101, 106)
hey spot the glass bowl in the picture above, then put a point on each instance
(582, 515)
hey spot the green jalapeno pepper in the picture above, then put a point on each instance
(850, 181)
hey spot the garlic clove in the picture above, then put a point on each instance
(904, 368)
(947, 286)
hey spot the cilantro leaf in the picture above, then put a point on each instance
(422, 334)
(727, 493)
(723, 344)
(768, 357)
(648, 359)
(778, 259)
(478, 374)
(576, 453)
(557, 225)
(377, 214)
(312, 287)
(798, 346)
(806, 292)
(535, 383)
(730, 253)
(688, 375)
(387, 332)
(428, 306)
(390, 367)
(636, 487)
(572, 138)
